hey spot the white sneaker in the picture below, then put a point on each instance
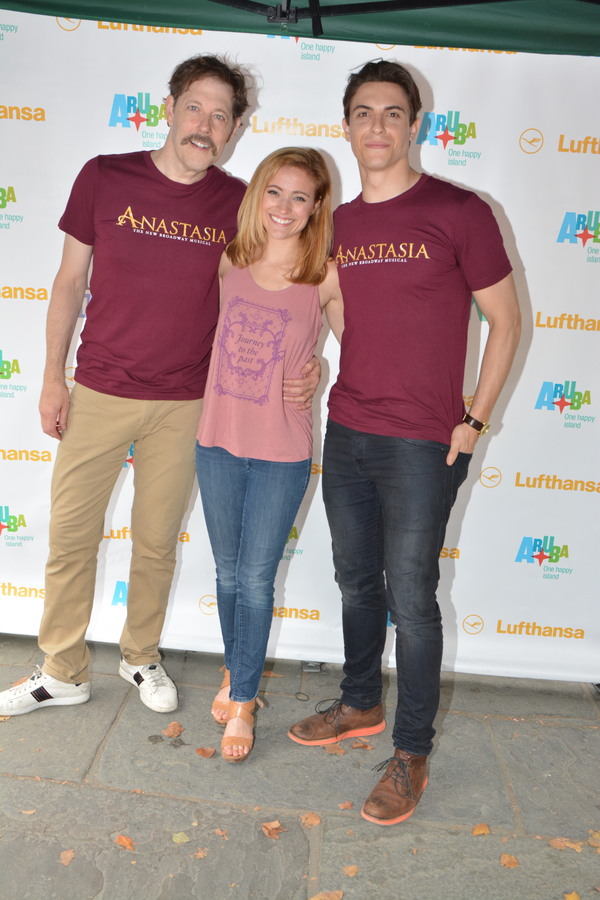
(157, 691)
(42, 690)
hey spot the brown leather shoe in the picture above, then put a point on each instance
(396, 795)
(337, 722)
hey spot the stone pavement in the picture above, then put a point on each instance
(521, 756)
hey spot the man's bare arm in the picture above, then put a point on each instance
(333, 302)
(500, 306)
(65, 302)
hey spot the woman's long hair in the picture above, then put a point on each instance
(315, 241)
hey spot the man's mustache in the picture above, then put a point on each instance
(201, 139)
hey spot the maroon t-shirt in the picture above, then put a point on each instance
(155, 292)
(407, 269)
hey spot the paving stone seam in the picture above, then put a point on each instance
(555, 720)
(315, 846)
(516, 809)
(316, 838)
(102, 745)
(186, 798)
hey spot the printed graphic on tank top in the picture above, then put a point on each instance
(248, 349)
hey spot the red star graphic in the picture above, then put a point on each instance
(445, 137)
(129, 460)
(562, 403)
(586, 236)
(2, 527)
(138, 119)
(541, 556)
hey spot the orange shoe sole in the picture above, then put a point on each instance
(358, 732)
(391, 821)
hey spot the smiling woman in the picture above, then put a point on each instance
(253, 451)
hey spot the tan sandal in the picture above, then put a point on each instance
(219, 704)
(245, 711)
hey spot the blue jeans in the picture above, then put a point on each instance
(388, 501)
(250, 506)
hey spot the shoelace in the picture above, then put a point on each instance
(399, 773)
(155, 676)
(26, 687)
(331, 713)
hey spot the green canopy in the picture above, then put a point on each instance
(534, 26)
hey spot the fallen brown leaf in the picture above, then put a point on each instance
(174, 730)
(346, 805)
(137, 791)
(594, 839)
(508, 861)
(574, 845)
(334, 749)
(222, 832)
(351, 871)
(563, 843)
(199, 854)
(328, 895)
(414, 850)
(125, 842)
(4, 718)
(22, 680)
(505, 840)
(273, 829)
(256, 808)
(271, 675)
(66, 856)
(311, 819)
(206, 752)
(180, 837)
(361, 745)
(572, 896)
(482, 828)
(28, 812)
(351, 833)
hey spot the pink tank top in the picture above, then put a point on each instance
(262, 337)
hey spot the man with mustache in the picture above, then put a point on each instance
(156, 224)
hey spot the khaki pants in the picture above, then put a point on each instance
(90, 457)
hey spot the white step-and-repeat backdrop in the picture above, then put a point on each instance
(519, 570)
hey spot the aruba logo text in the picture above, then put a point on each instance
(136, 109)
(10, 523)
(7, 195)
(8, 368)
(558, 396)
(541, 549)
(579, 226)
(437, 127)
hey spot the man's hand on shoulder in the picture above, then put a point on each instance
(300, 391)
(54, 408)
(463, 440)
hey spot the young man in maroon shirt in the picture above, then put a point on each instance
(411, 251)
(156, 224)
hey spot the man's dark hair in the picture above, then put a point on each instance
(384, 70)
(199, 67)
